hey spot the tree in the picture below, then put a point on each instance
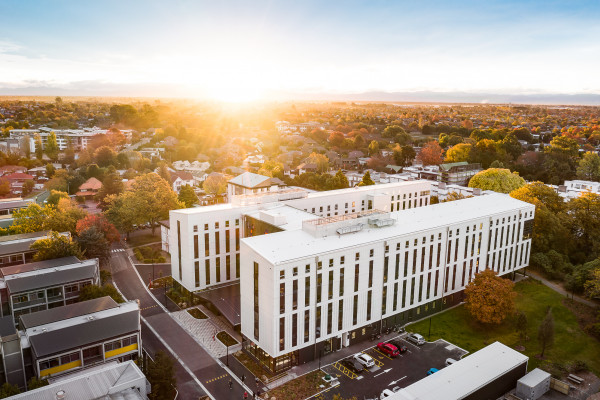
(105, 156)
(560, 159)
(581, 216)
(163, 172)
(271, 168)
(120, 211)
(497, 179)
(320, 160)
(458, 153)
(339, 181)
(111, 184)
(336, 138)
(589, 167)
(28, 186)
(56, 246)
(431, 153)
(101, 223)
(366, 180)
(521, 325)
(187, 196)
(4, 188)
(161, 375)
(489, 298)
(94, 244)
(35, 383)
(453, 196)
(50, 170)
(392, 131)
(65, 217)
(404, 155)
(30, 219)
(55, 196)
(374, 147)
(215, 184)
(8, 390)
(91, 292)
(52, 147)
(39, 151)
(546, 331)
(592, 286)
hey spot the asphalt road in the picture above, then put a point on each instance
(389, 372)
(194, 363)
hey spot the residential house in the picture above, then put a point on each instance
(181, 178)
(89, 188)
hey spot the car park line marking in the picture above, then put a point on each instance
(379, 363)
(412, 344)
(394, 382)
(385, 355)
(344, 370)
(385, 371)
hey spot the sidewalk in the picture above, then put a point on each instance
(559, 289)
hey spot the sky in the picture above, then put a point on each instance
(244, 50)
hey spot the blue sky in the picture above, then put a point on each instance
(246, 49)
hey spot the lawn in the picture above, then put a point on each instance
(571, 343)
(143, 238)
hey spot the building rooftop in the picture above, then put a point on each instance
(51, 277)
(69, 311)
(282, 216)
(112, 380)
(278, 248)
(23, 236)
(464, 377)
(251, 180)
(38, 265)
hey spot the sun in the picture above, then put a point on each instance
(236, 94)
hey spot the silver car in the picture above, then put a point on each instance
(416, 339)
(365, 360)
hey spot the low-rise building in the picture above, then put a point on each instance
(42, 285)
(250, 183)
(180, 179)
(16, 249)
(89, 188)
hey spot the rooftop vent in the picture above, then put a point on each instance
(60, 395)
(349, 229)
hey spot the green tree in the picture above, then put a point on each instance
(8, 390)
(374, 147)
(39, 151)
(215, 184)
(592, 286)
(560, 159)
(497, 179)
(404, 155)
(28, 187)
(589, 167)
(52, 147)
(339, 181)
(272, 168)
(56, 246)
(366, 180)
(50, 170)
(459, 152)
(392, 131)
(581, 217)
(91, 292)
(161, 375)
(65, 217)
(94, 244)
(521, 325)
(163, 172)
(105, 156)
(489, 298)
(187, 196)
(111, 184)
(35, 383)
(120, 211)
(546, 332)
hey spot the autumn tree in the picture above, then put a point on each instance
(30, 219)
(581, 217)
(320, 160)
(4, 188)
(272, 168)
(64, 218)
(101, 223)
(52, 147)
(56, 246)
(374, 147)
(489, 298)
(589, 167)
(55, 196)
(497, 179)
(453, 196)
(546, 332)
(458, 153)
(366, 180)
(187, 196)
(215, 184)
(28, 186)
(404, 155)
(39, 151)
(163, 172)
(431, 153)
(105, 156)
(592, 286)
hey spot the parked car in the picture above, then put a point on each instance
(450, 361)
(365, 359)
(398, 343)
(432, 371)
(388, 349)
(416, 339)
(353, 365)
(388, 393)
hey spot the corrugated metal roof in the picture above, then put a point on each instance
(76, 336)
(53, 278)
(69, 311)
(21, 236)
(34, 266)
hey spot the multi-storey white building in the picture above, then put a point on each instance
(77, 139)
(204, 242)
(334, 280)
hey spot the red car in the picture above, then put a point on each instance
(388, 349)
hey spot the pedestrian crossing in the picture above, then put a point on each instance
(117, 250)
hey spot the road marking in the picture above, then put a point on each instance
(385, 371)
(117, 250)
(394, 382)
(147, 308)
(344, 370)
(385, 355)
(217, 378)
(379, 363)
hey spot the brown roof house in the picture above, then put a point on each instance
(89, 188)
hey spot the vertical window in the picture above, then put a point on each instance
(197, 272)
(384, 300)
(369, 299)
(281, 333)
(330, 286)
(397, 275)
(318, 322)
(237, 238)
(356, 276)
(206, 245)
(428, 284)
(228, 268)
(237, 265)
(218, 271)
(404, 293)
(406, 263)
(319, 284)
(306, 291)
(196, 246)
(295, 294)
(371, 273)
(385, 269)
(420, 288)
(227, 244)
(294, 330)
(179, 248)
(340, 314)
(341, 281)
(281, 298)
(412, 291)
(207, 271)
(454, 277)
(306, 325)
(422, 258)
(355, 310)
(217, 243)
(414, 267)
(329, 318)
(395, 304)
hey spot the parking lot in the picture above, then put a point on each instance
(388, 372)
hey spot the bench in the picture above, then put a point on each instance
(575, 379)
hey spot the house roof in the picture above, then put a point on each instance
(185, 176)
(251, 180)
(8, 168)
(446, 167)
(18, 176)
(91, 184)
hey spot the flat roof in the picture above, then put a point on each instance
(47, 278)
(66, 312)
(294, 217)
(278, 248)
(464, 377)
(7, 326)
(534, 377)
(38, 265)
(86, 332)
(21, 236)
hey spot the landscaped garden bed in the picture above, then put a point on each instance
(149, 254)
(226, 339)
(196, 313)
(302, 387)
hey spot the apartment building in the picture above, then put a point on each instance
(77, 139)
(204, 242)
(42, 285)
(336, 280)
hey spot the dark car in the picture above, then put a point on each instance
(401, 348)
(388, 349)
(353, 365)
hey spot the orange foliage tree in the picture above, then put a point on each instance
(431, 153)
(101, 223)
(490, 298)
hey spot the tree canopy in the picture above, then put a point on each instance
(56, 246)
(489, 298)
(497, 179)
